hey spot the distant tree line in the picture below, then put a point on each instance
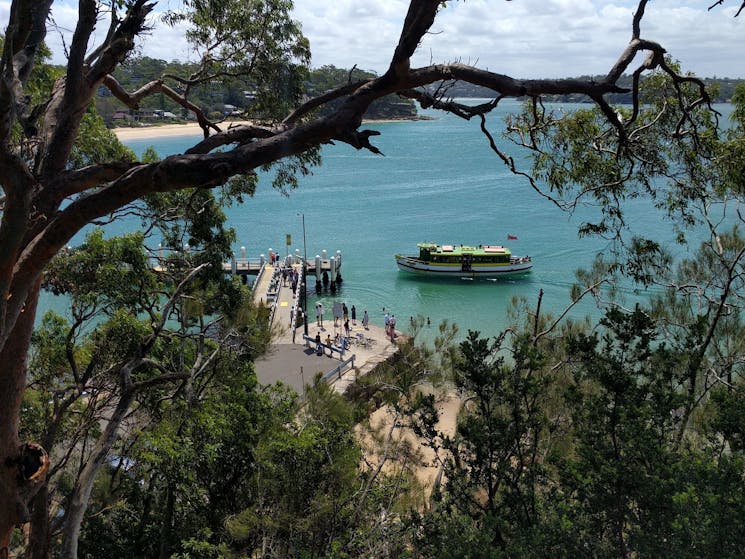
(327, 78)
(223, 97)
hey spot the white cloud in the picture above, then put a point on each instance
(523, 38)
(530, 38)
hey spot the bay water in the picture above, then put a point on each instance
(437, 181)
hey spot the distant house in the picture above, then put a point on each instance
(143, 115)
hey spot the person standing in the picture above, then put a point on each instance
(346, 327)
(365, 319)
(354, 316)
(387, 323)
(319, 351)
(320, 312)
(336, 313)
(392, 327)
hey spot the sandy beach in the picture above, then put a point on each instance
(165, 130)
(125, 133)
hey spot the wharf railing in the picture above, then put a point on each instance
(339, 370)
(296, 301)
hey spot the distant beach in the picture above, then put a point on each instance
(126, 133)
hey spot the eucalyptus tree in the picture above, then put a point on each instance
(48, 197)
(138, 339)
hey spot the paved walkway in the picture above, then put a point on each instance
(295, 364)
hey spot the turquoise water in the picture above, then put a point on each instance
(438, 181)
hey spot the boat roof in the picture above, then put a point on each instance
(464, 249)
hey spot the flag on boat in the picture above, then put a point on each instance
(511, 237)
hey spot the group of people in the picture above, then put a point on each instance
(342, 315)
(291, 276)
(339, 342)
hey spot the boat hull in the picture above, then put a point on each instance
(456, 270)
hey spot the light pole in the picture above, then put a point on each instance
(305, 272)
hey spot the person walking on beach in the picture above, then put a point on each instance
(387, 323)
(392, 326)
(365, 319)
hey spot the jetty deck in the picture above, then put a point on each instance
(253, 266)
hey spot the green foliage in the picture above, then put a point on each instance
(254, 39)
(252, 56)
(307, 476)
(624, 403)
(491, 465)
(738, 100)
(103, 272)
(234, 469)
(97, 144)
(665, 154)
(584, 459)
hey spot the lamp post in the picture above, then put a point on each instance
(305, 273)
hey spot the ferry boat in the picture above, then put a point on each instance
(487, 261)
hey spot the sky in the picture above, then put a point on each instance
(520, 38)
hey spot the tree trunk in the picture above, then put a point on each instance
(78, 503)
(39, 530)
(166, 529)
(20, 473)
(39, 544)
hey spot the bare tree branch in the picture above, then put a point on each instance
(720, 2)
(132, 100)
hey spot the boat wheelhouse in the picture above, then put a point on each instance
(487, 261)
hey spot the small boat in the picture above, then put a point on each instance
(487, 261)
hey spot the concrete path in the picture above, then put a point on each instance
(295, 364)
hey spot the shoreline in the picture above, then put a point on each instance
(125, 133)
